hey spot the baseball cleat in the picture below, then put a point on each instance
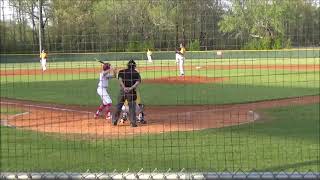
(134, 125)
(143, 122)
(140, 118)
(96, 116)
(114, 122)
(108, 116)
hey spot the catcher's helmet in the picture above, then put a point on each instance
(106, 66)
(131, 64)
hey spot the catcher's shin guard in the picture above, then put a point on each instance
(141, 114)
(124, 116)
(141, 106)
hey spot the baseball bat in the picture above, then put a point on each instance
(99, 61)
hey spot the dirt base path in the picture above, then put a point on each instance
(79, 120)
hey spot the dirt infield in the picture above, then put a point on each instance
(292, 67)
(79, 120)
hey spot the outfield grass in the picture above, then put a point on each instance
(284, 140)
(83, 92)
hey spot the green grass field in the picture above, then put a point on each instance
(9, 111)
(286, 139)
(243, 85)
(83, 92)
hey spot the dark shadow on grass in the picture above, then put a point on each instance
(290, 166)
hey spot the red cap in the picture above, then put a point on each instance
(106, 66)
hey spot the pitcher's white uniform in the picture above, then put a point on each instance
(103, 86)
(149, 53)
(43, 60)
(180, 59)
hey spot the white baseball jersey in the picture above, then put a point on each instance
(104, 80)
(103, 86)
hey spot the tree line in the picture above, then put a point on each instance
(135, 25)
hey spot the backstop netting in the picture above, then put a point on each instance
(227, 89)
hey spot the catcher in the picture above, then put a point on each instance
(139, 111)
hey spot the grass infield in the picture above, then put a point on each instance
(83, 92)
(5, 110)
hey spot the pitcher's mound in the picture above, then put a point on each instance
(186, 80)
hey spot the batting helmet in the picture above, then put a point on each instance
(131, 64)
(106, 66)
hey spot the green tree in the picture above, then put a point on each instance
(259, 19)
(302, 23)
(126, 25)
(72, 26)
(267, 24)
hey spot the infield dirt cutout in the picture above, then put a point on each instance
(79, 120)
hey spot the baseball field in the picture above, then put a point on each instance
(231, 114)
